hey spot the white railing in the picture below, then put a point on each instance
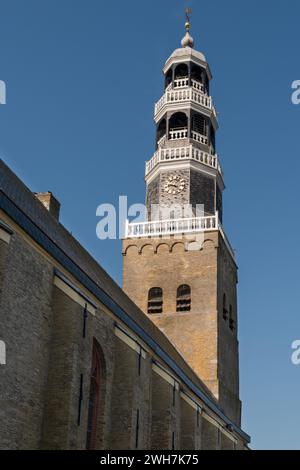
(178, 133)
(184, 82)
(171, 226)
(202, 139)
(162, 140)
(184, 94)
(181, 82)
(183, 226)
(183, 153)
(198, 86)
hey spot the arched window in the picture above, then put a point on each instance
(225, 311)
(181, 71)
(231, 319)
(178, 126)
(94, 398)
(155, 300)
(183, 299)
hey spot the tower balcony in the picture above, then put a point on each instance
(184, 82)
(173, 227)
(188, 152)
(184, 95)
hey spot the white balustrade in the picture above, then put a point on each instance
(185, 94)
(183, 153)
(178, 133)
(171, 226)
(202, 139)
(162, 140)
(198, 86)
(168, 227)
(181, 82)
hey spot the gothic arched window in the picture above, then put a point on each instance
(183, 299)
(94, 397)
(225, 311)
(155, 300)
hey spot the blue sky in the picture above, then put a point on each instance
(82, 77)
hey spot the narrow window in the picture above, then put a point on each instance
(155, 300)
(231, 319)
(85, 315)
(183, 300)
(80, 399)
(198, 417)
(93, 408)
(140, 361)
(225, 311)
(137, 429)
(174, 393)
(173, 441)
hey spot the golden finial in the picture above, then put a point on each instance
(188, 12)
(187, 41)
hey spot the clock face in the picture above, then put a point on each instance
(175, 184)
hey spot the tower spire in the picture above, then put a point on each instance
(187, 41)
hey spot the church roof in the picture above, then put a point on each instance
(28, 212)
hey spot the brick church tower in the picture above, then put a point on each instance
(179, 267)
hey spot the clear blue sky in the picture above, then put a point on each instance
(82, 77)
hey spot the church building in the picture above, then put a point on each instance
(151, 366)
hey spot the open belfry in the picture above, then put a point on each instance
(179, 268)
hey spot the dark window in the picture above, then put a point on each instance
(93, 408)
(168, 78)
(137, 429)
(225, 311)
(173, 441)
(183, 300)
(161, 130)
(178, 121)
(181, 71)
(199, 124)
(155, 300)
(231, 319)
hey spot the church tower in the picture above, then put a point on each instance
(179, 267)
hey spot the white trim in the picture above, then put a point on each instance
(175, 106)
(165, 375)
(130, 341)
(191, 402)
(4, 235)
(75, 296)
(173, 165)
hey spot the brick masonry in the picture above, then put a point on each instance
(201, 335)
(47, 354)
